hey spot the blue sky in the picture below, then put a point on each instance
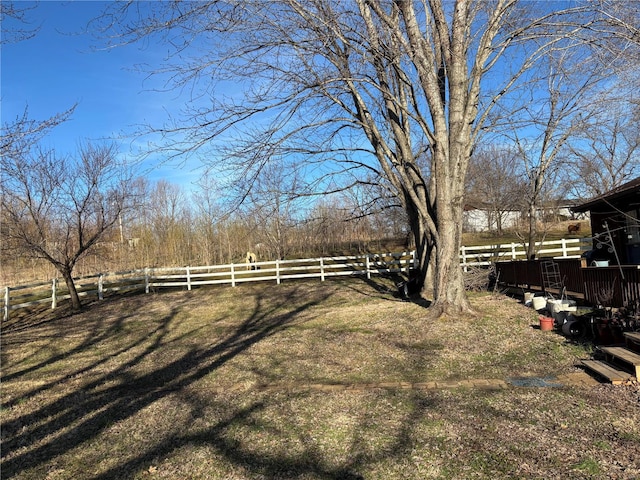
(60, 66)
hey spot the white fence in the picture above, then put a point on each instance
(151, 279)
(487, 254)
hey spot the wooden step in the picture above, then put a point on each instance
(626, 356)
(611, 373)
(632, 338)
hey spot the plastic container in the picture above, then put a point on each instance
(546, 323)
(528, 298)
(539, 303)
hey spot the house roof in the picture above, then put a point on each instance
(621, 191)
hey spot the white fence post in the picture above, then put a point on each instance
(54, 299)
(463, 250)
(6, 303)
(100, 287)
(368, 265)
(337, 268)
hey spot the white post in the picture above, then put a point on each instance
(188, 278)
(6, 303)
(233, 276)
(463, 250)
(513, 251)
(146, 280)
(278, 271)
(564, 248)
(100, 287)
(321, 269)
(368, 267)
(54, 300)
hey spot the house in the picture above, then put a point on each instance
(483, 218)
(615, 224)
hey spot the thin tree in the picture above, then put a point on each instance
(543, 129)
(59, 209)
(606, 152)
(495, 182)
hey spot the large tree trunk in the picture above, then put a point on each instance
(449, 293)
(449, 169)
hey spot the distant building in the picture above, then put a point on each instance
(481, 218)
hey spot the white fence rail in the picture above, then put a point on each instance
(487, 254)
(151, 279)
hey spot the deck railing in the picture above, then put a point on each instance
(614, 286)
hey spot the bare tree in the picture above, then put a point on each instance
(170, 224)
(58, 209)
(357, 89)
(23, 133)
(272, 204)
(605, 154)
(542, 129)
(15, 23)
(208, 219)
(495, 182)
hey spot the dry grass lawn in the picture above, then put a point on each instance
(210, 384)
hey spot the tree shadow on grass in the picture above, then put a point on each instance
(82, 415)
(33, 439)
(309, 460)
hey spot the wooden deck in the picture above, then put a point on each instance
(616, 286)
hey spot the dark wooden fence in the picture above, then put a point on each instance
(615, 286)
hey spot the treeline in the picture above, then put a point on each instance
(171, 226)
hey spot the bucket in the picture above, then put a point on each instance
(546, 323)
(528, 298)
(539, 303)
